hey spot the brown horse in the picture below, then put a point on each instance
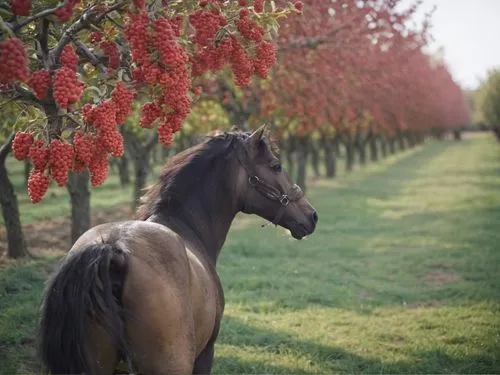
(145, 293)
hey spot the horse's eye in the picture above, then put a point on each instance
(276, 167)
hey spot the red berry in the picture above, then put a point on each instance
(40, 82)
(21, 145)
(83, 147)
(39, 154)
(61, 161)
(21, 7)
(68, 57)
(13, 61)
(258, 6)
(67, 87)
(111, 51)
(38, 184)
(123, 99)
(299, 5)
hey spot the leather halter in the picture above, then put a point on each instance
(271, 192)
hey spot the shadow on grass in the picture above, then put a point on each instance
(272, 350)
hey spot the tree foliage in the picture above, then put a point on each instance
(84, 63)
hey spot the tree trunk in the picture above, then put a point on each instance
(330, 157)
(78, 188)
(290, 151)
(16, 243)
(383, 146)
(349, 154)
(496, 130)
(336, 146)
(401, 142)
(373, 149)
(410, 136)
(392, 145)
(457, 135)
(303, 151)
(123, 170)
(141, 168)
(27, 171)
(314, 157)
(361, 147)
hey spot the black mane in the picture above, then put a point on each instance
(187, 170)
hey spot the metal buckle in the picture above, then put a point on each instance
(253, 180)
(284, 200)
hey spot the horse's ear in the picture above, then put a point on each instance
(255, 137)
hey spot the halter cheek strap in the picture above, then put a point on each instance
(273, 193)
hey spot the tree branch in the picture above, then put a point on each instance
(84, 50)
(24, 95)
(87, 18)
(41, 14)
(5, 149)
(151, 142)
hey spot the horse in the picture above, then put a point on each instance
(144, 295)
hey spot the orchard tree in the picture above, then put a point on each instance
(84, 63)
(488, 102)
(12, 117)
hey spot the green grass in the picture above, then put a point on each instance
(401, 276)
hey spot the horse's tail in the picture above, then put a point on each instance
(86, 289)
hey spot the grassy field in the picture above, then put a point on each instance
(401, 276)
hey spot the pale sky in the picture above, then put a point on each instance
(469, 32)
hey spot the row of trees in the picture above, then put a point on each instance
(350, 72)
(486, 102)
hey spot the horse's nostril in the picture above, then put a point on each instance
(315, 217)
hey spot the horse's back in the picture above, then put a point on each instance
(169, 293)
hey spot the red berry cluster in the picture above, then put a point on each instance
(258, 6)
(40, 81)
(206, 23)
(13, 61)
(38, 181)
(21, 7)
(95, 36)
(266, 58)
(39, 155)
(299, 5)
(64, 13)
(123, 98)
(160, 62)
(112, 52)
(21, 145)
(83, 147)
(98, 167)
(67, 87)
(138, 37)
(60, 161)
(248, 28)
(68, 57)
(149, 113)
(233, 51)
(38, 184)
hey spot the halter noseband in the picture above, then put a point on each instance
(273, 193)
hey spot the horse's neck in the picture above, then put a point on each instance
(204, 221)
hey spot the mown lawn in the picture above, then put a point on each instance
(401, 276)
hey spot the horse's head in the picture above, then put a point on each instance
(268, 190)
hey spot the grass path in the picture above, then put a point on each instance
(401, 276)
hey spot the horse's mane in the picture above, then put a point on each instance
(185, 170)
(188, 168)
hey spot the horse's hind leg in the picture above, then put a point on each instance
(159, 325)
